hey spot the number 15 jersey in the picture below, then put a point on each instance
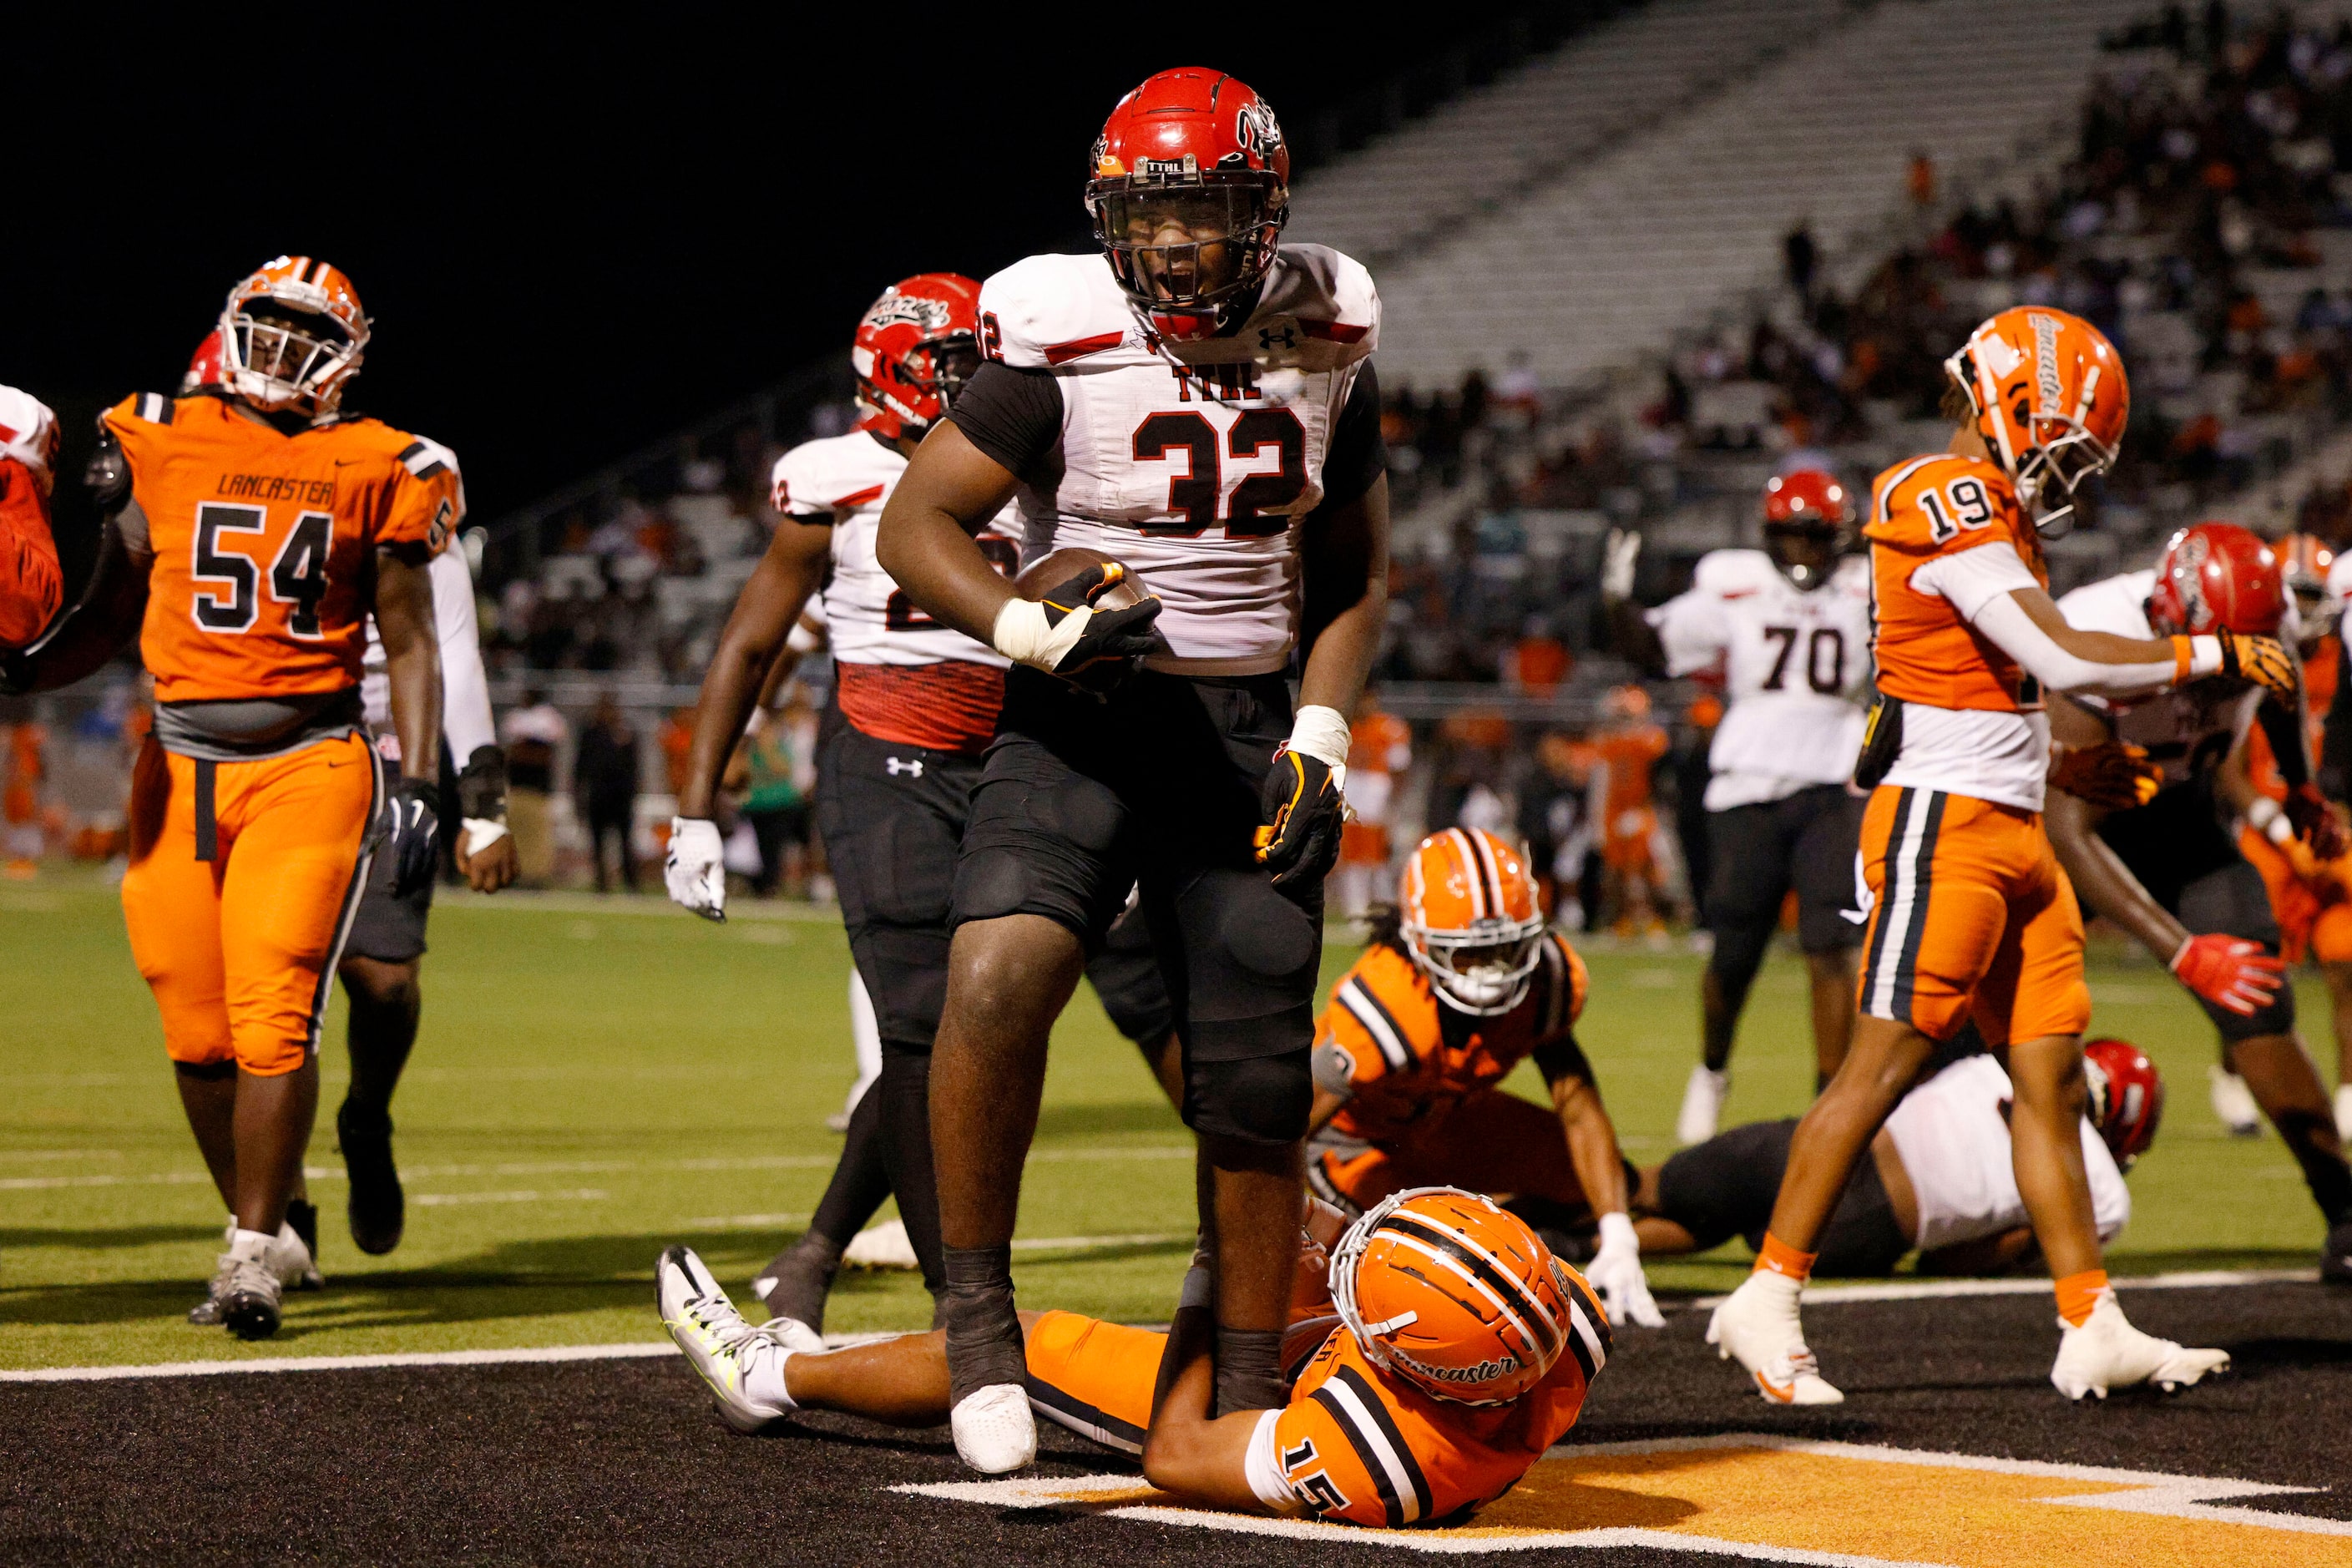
(1195, 463)
(264, 543)
(1792, 662)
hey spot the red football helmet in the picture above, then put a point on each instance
(2127, 1097)
(204, 365)
(292, 335)
(2047, 392)
(915, 348)
(2217, 575)
(1189, 186)
(1808, 518)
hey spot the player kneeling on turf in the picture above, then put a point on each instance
(1439, 1353)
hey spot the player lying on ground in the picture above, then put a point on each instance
(251, 530)
(2171, 873)
(1461, 984)
(1196, 406)
(1789, 627)
(1438, 1358)
(1972, 917)
(30, 585)
(1940, 1177)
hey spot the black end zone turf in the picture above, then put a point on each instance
(622, 1462)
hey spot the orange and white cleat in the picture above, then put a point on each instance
(1758, 1326)
(2106, 1351)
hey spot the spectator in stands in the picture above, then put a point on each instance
(532, 735)
(605, 785)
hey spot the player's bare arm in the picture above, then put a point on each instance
(1592, 1141)
(950, 488)
(755, 633)
(1345, 565)
(403, 616)
(1189, 1451)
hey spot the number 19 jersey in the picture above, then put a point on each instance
(1791, 660)
(264, 542)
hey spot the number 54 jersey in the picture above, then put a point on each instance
(264, 543)
(1792, 662)
(1195, 463)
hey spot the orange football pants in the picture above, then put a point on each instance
(239, 948)
(2314, 915)
(1970, 916)
(1096, 1378)
(1491, 1143)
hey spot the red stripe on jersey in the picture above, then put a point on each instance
(950, 706)
(852, 501)
(1334, 332)
(1078, 348)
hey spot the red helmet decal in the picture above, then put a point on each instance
(915, 348)
(2127, 1097)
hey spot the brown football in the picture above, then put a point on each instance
(1065, 563)
(1105, 675)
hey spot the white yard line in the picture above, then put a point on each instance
(1938, 1289)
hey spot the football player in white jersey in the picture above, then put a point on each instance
(1790, 625)
(1197, 402)
(915, 704)
(2169, 870)
(1941, 1176)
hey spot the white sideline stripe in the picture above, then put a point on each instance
(641, 1350)
(576, 1195)
(1938, 1289)
(583, 1167)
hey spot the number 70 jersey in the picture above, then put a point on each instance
(1793, 664)
(264, 542)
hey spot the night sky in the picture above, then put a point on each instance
(567, 254)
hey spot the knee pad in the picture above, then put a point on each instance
(1259, 1099)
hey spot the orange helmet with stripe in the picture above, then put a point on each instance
(1468, 916)
(1445, 1292)
(2048, 393)
(292, 336)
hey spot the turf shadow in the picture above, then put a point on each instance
(111, 1238)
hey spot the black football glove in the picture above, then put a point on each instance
(1111, 641)
(1303, 809)
(415, 840)
(482, 784)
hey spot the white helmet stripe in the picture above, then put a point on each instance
(1493, 871)
(1492, 1272)
(1455, 1266)
(1468, 856)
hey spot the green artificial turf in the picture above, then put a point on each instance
(596, 1081)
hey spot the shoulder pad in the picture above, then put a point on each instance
(28, 432)
(1732, 570)
(832, 472)
(147, 407)
(2116, 604)
(107, 473)
(425, 458)
(1902, 515)
(1329, 293)
(1047, 310)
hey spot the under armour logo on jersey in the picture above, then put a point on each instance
(1266, 335)
(913, 766)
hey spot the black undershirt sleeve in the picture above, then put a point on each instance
(1013, 416)
(1357, 455)
(1560, 1057)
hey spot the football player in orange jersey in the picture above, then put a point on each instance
(2168, 870)
(1382, 746)
(1972, 917)
(1461, 984)
(29, 584)
(1435, 1353)
(250, 533)
(1639, 865)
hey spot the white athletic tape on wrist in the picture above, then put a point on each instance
(2204, 655)
(481, 833)
(1617, 1230)
(1322, 733)
(1023, 634)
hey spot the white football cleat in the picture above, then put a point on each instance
(2107, 1352)
(1702, 1105)
(994, 1431)
(882, 1246)
(1758, 1326)
(2344, 1112)
(727, 1352)
(2233, 1103)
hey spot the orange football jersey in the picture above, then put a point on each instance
(1409, 1058)
(1631, 753)
(1926, 653)
(1363, 1447)
(264, 542)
